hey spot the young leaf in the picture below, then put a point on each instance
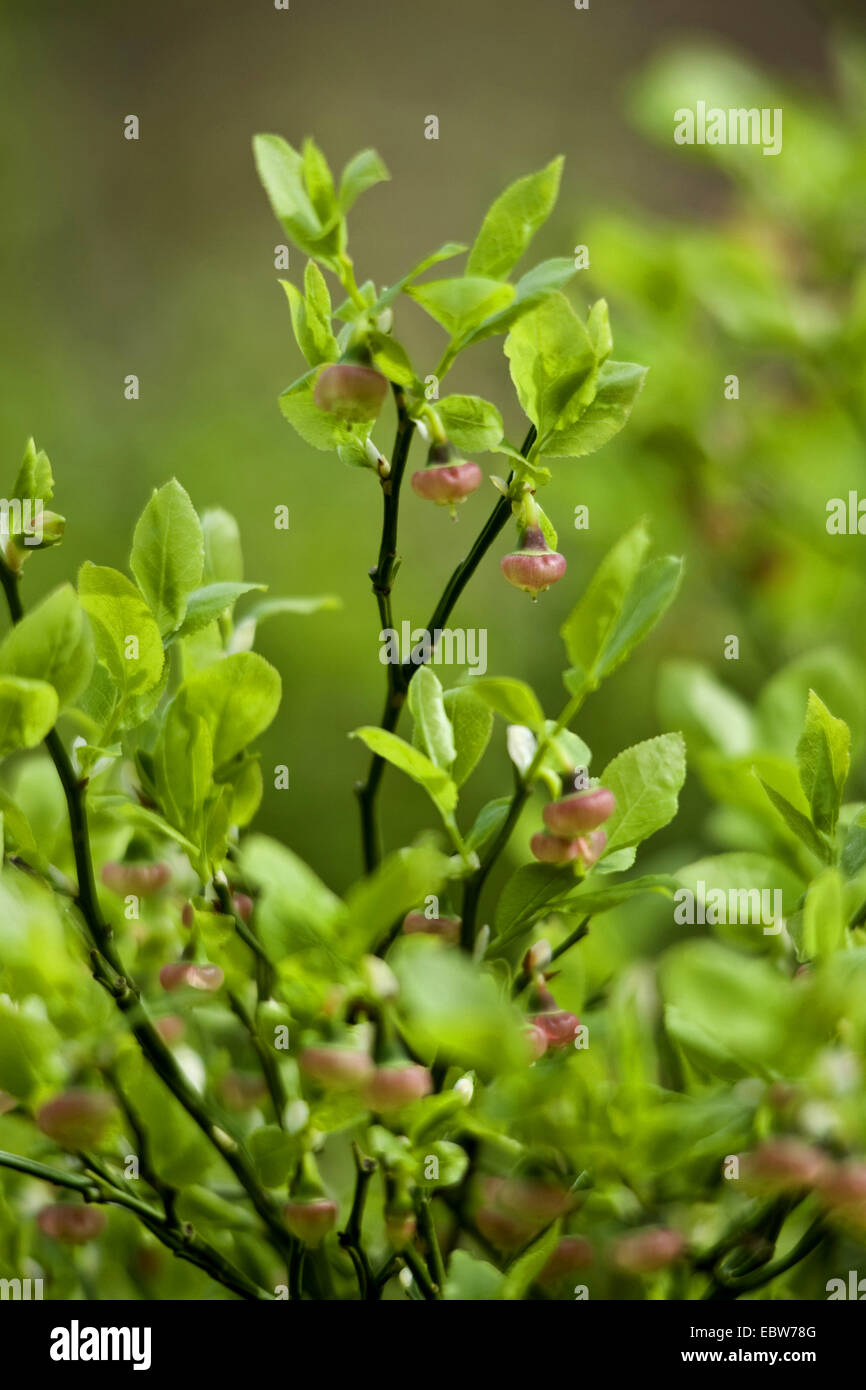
(183, 767)
(281, 170)
(471, 423)
(854, 852)
(550, 357)
(400, 882)
(236, 697)
(52, 643)
(168, 554)
(436, 782)
(313, 333)
(472, 724)
(427, 707)
(319, 183)
(364, 170)
(523, 1272)
(488, 822)
(514, 700)
(646, 780)
(34, 481)
(825, 930)
(125, 633)
(618, 387)
(292, 896)
(462, 304)
(513, 220)
(797, 822)
(388, 295)
(223, 557)
(319, 428)
(208, 603)
(823, 759)
(392, 360)
(531, 289)
(28, 711)
(621, 604)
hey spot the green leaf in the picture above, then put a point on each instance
(364, 170)
(488, 822)
(292, 898)
(183, 764)
(319, 183)
(523, 1272)
(854, 852)
(319, 428)
(621, 604)
(470, 422)
(118, 613)
(513, 220)
(823, 760)
(392, 360)
(52, 643)
(312, 328)
(825, 930)
(438, 785)
(797, 822)
(223, 557)
(26, 1042)
(598, 328)
(550, 357)
(454, 1010)
(514, 700)
(34, 481)
(237, 697)
(618, 387)
(471, 1280)
(388, 295)
(281, 170)
(208, 603)
(28, 711)
(427, 707)
(532, 289)
(274, 1153)
(168, 554)
(463, 303)
(646, 780)
(690, 698)
(402, 881)
(472, 724)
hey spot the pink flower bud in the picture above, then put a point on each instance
(170, 1028)
(350, 391)
(505, 1230)
(76, 1119)
(7, 1102)
(649, 1250)
(579, 812)
(448, 928)
(242, 1092)
(573, 1253)
(141, 879)
(530, 1197)
(591, 847)
(243, 905)
(782, 1165)
(336, 1068)
(534, 567)
(447, 483)
(310, 1221)
(74, 1225)
(537, 1040)
(558, 1026)
(391, 1087)
(552, 849)
(400, 1228)
(843, 1189)
(185, 974)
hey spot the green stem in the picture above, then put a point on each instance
(181, 1240)
(351, 1239)
(411, 1257)
(731, 1287)
(431, 1240)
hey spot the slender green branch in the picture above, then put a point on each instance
(411, 1257)
(730, 1287)
(580, 931)
(183, 1241)
(427, 1229)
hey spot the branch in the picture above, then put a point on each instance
(351, 1238)
(181, 1240)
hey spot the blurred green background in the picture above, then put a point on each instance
(156, 258)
